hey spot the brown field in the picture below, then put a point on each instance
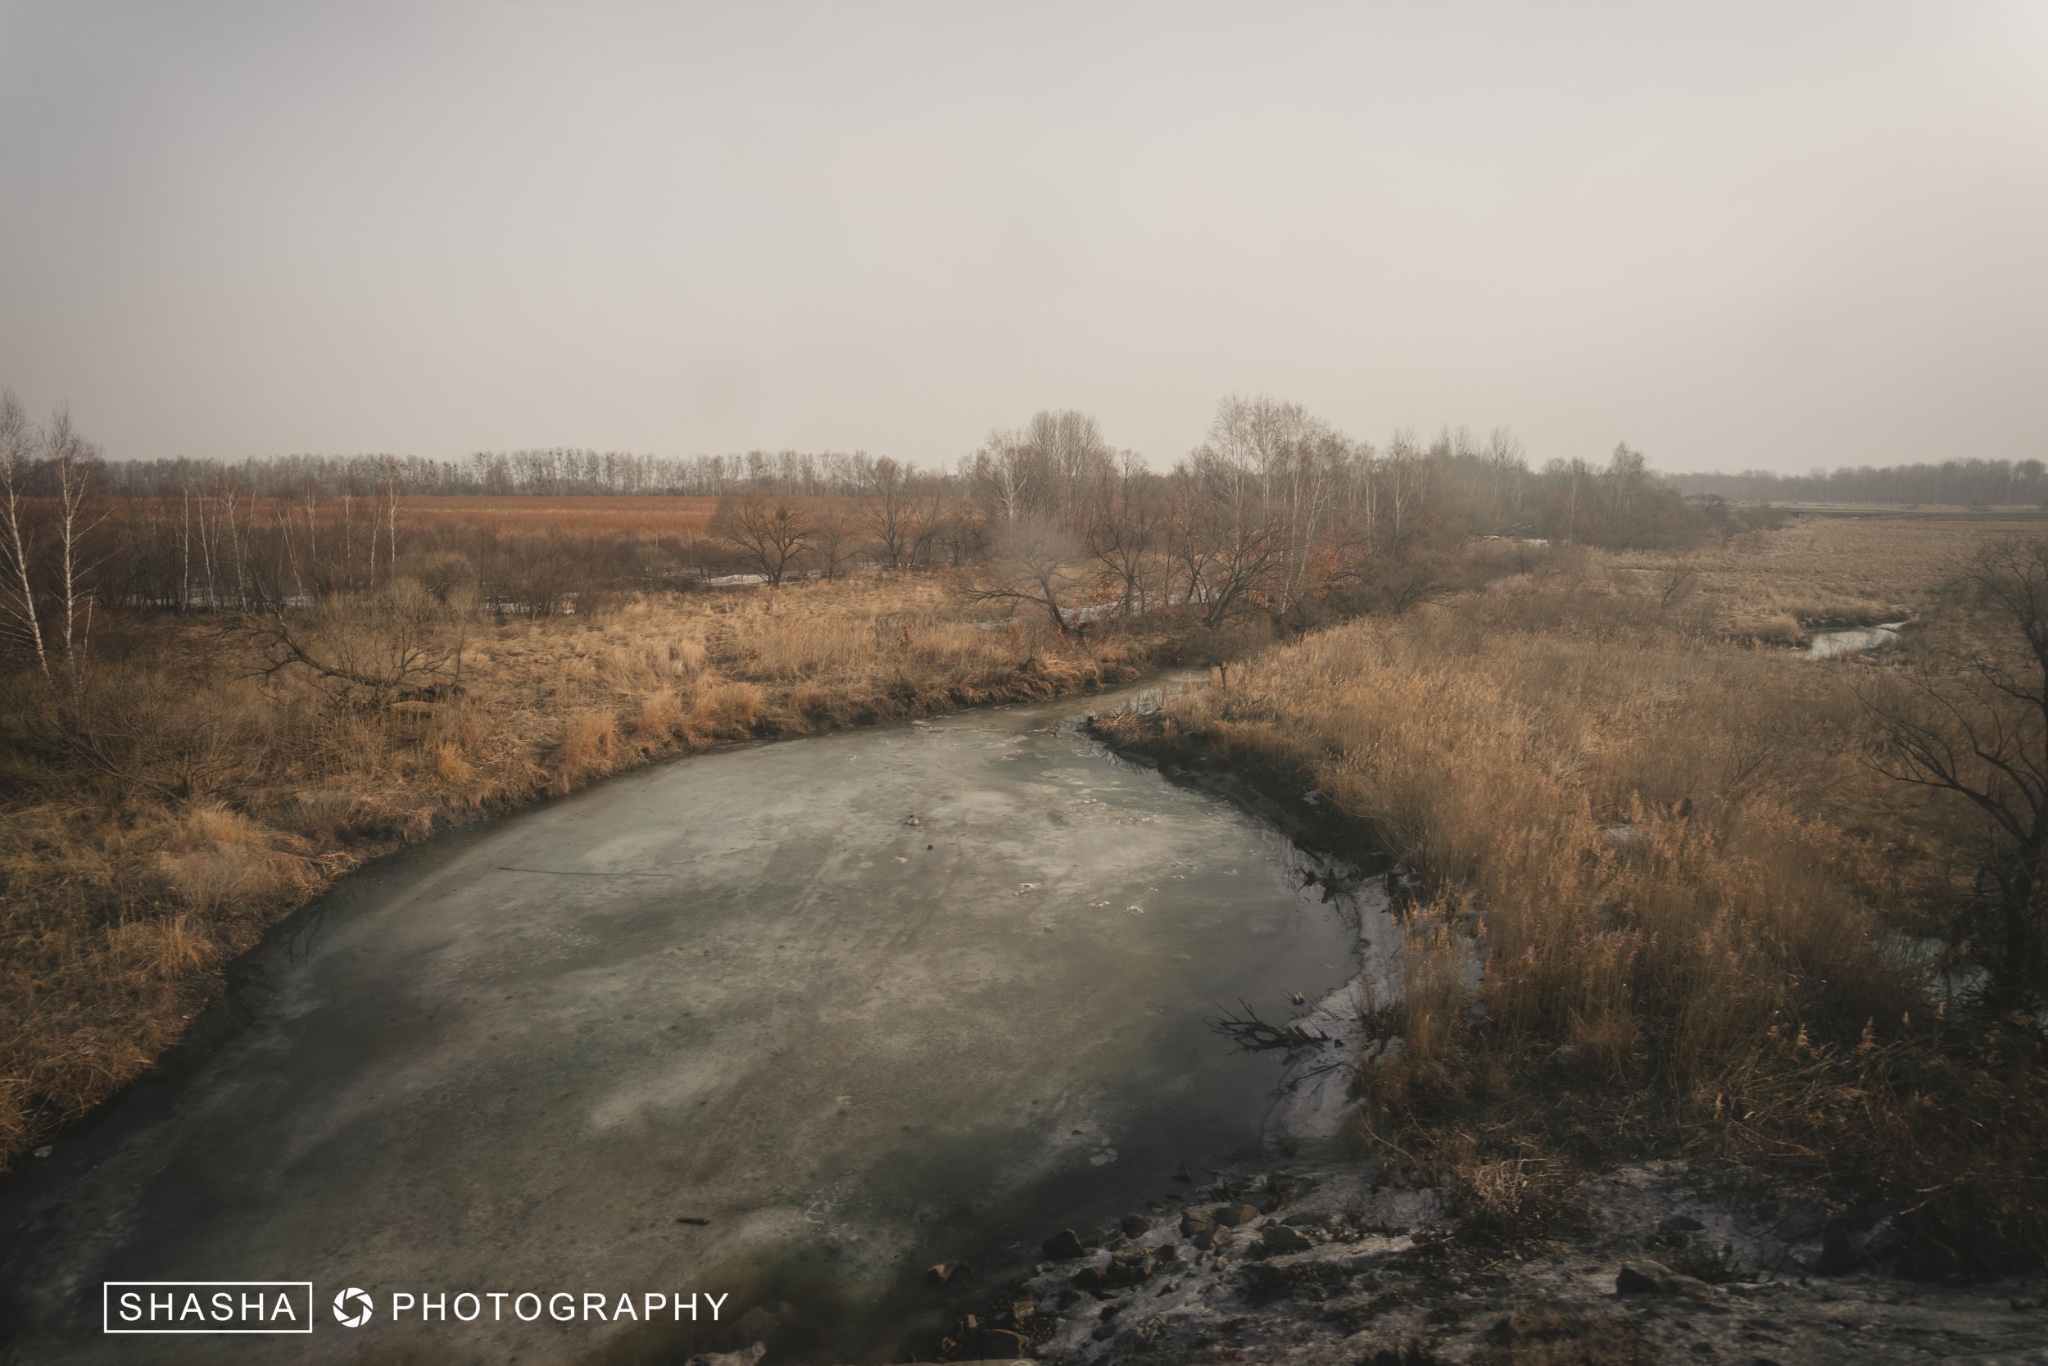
(649, 515)
(1685, 881)
(158, 821)
(1821, 569)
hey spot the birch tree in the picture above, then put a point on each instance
(17, 593)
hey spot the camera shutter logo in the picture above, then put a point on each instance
(352, 1307)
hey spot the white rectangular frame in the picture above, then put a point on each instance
(107, 1308)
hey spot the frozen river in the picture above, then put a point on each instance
(787, 1023)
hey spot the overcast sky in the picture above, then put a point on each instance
(1733, 235)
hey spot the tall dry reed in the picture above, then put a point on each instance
(1667, 905)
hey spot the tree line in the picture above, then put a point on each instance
(561, 472)
(1276, 513)
(1953, 483)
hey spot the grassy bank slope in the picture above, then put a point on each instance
(1690, 894)
(159, 818)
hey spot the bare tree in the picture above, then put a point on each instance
(836, 538)
(1045, 468)
(17, 594)
(1404, 476)
(1969, 717)
(1003, 475)
(1068, 450)
(1124, 528)
(1626, 480)
(1298, 462)
(769, 534)
(1227, 538)
(397, 643)
(932, 524)
(1506, 462)
(892, 511)
(1573, 479)
(73, 463)
(388, 467)
(1034, 562)
(67, 465)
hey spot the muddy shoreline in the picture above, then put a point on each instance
(1307, 1263)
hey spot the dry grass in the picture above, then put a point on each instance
(1774, 586)
(1662, 897)
(157, 823)
(597, 514)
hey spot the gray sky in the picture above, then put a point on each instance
(1732, 234)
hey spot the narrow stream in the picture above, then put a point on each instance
(1852, 639)
(789, 1023)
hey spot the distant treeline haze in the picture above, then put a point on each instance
(1953, 483)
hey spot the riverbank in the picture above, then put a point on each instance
(791, 1022)
(1654, 889)
(1340, 1247)
(1311, 1263)
(183, 799)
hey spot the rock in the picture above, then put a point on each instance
(1653, 1278)
(1263, 1283)
(1213, 1237)
(1279, 1239)
(1064, 1246)
(1196, 1222)
(1183, 1175)
(1130, 1267)
(1134, 1224)
(1230, 1216)
(948, 1275)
